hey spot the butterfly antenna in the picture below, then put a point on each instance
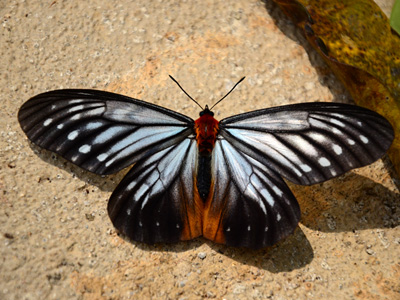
(185, 92)
(228, 92)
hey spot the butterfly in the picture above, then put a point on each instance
(218, 179)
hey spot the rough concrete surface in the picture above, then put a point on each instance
(57, 241)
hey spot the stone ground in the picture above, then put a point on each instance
(57, 241)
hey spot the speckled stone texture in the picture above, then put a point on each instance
(56, 239)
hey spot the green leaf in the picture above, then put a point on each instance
(395, 17)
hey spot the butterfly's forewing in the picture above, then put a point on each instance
(99, 131)
(250, 205)
(155, 201)
(309, 143)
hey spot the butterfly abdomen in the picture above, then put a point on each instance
(204, 176)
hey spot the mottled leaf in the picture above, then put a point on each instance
(356, 40)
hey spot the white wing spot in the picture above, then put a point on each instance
(277, 191)
(75, 101)
(102, 157)
(75, 108)
(338, 150)
(128, 212)
(177, 226)
(297, 172)
(48, 122)
(360, 124)
(157, 224)
(278, 217)
(228, 229)
(73, 135)
(85, 148)
(333, 172)
(324, 162)
(76, 117)
(337, 122)
(111, 161)
(140, 224)
(266, 228)
(305, 168)
(337, 131)
(351, 142)
(248, 228)
(131, 185)
(60, 126)
(318, 137)
(364, 139)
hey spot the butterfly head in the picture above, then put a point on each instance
(206, 111)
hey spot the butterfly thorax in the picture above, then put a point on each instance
(206, 128)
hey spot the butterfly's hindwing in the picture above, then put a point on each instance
(154, 202)
(310, 142)
(251, 205)
(100, 131)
